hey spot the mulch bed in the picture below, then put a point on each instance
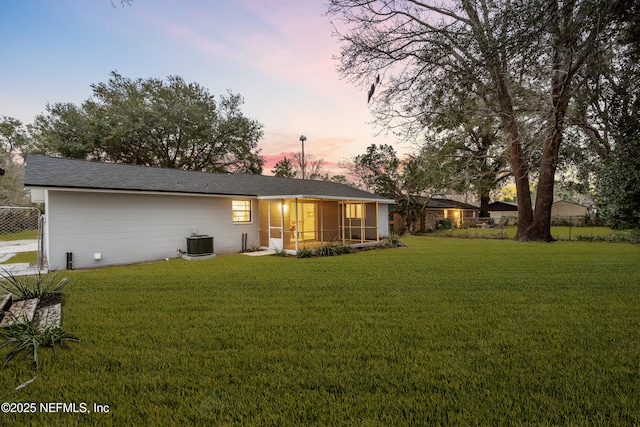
(50, 299)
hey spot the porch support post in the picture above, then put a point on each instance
(377, 223)
(342, 222)
(321, 231)
(363, 220)
(282, 222)
(296, 231)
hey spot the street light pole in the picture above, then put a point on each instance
(302, 164)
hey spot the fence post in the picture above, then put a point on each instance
(41, 220)
(570, 224)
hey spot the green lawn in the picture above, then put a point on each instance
(21, 257)
(22, 235)
(443, 332)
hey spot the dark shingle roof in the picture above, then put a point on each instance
(503, 206)
(449, 204)
(54, 172)
(436, 203)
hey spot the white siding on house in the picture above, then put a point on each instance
(129, 228)
(383, 220)
(563, 208)
(503, 214)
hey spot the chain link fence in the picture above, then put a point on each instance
(20, 224)
(440, 222)
(576, 227)
(14, 221)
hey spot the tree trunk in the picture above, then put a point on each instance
(410, 223)
(520, 168)
(484, 202)
(540, 229)
(517, 159)
(519, 162)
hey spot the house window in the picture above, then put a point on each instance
(354, 210)
(241, 210)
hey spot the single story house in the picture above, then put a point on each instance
(499, 210)
(109, 214)
(569, 213)
(563, 208)
(459, 214)
(562, 211)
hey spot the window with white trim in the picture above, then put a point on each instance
(241, 211)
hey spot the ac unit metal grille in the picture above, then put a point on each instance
(199, 245)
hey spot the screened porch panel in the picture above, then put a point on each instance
(292, 224)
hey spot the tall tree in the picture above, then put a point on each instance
(340, 179)
(151, 122)
(411, 182)
(13, 138)
(603, 113)
(519, 58)
(618, 180)
(284, 168)
(479, 161)
(313, 167)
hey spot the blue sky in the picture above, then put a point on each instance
(278, 54)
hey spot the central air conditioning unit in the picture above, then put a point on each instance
(199, 245)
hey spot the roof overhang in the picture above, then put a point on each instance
(124, 191)
(315, 196)
(169, 193)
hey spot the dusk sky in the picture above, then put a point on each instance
(278, 54)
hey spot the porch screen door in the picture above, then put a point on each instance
(275, 225)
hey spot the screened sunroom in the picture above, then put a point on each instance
(293, 223)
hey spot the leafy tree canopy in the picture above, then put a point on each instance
(153, 122)
(13, 138)
(13, 135)
(520, 64)
(411, 182)
(618, 180)
(284, 168)
(292, 167)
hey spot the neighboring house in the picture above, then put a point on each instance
(562, 208)
(499, 210)
(561, 211)
(109, 214)
(459, 214)
(564, 213)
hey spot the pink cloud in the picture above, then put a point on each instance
(283, 51)
(333, 150)
(272, 159)
(331, 167)
(291, 41)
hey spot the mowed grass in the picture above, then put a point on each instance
(22, 257)
(22, 235)
(443, 332)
